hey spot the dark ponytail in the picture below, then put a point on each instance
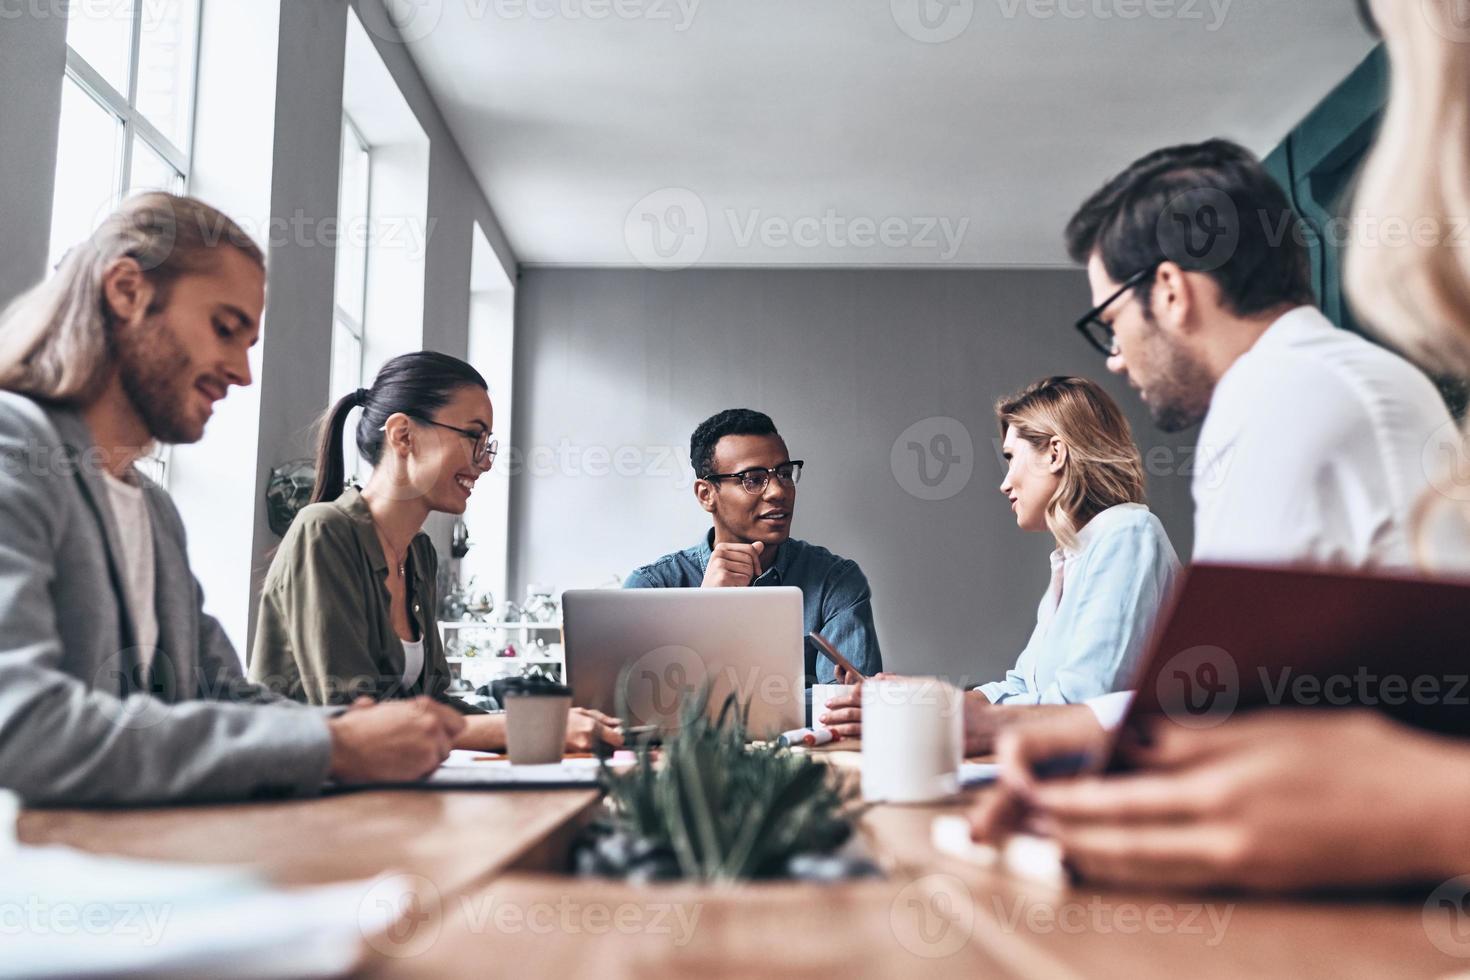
(417, 384)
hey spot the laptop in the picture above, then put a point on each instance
(671, 642)
(1238, 638)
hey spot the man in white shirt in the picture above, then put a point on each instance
(1311, 446)
(1310, 450)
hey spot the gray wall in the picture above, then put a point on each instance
(614, 368)
(32, 62)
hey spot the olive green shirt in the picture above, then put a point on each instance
(325, 630)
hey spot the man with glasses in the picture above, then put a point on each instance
(1313, 438)
(746, 482)
(1312, 447)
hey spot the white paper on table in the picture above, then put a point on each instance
(70, 913)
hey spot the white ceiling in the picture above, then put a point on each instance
(847, 122)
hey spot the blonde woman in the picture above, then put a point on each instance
(1074, 472)
(1283, 800)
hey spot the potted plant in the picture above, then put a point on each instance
(712, 808)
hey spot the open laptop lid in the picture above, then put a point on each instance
(1237, 638)
(672, 641)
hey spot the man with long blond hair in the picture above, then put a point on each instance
(115, 686)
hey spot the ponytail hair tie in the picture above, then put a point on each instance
(360, 398)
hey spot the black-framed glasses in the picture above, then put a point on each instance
(757, 478)
(1098, 332)
(486, 445)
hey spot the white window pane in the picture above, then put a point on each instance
(166, 66)
(346, 359)
(151, 172)
(352, 212)
(102, 33)
(346, 377)
(88, 168)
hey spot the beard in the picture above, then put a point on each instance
(1181, 397)
(154, 370)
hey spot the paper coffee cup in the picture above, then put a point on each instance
(913, 740)
(536, 723)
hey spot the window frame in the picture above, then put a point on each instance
(356, 327)
(136, 126)
(123, 106)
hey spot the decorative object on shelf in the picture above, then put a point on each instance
(540, 607)
(462, 603)
(717, 810)
(459, 540)
(287, 490)
(509, 651)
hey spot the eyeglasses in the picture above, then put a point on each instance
(1100, 333)
(757, 478)
(486, 445)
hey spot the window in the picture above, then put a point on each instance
(127, 109)
(353, 210)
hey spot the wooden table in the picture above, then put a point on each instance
(495, 909)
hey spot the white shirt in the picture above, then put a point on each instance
(1096, 615)
(135, 537)
(413, 662)
(1313, 451)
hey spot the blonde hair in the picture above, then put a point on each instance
(1103, 467)
(56, 338)
(1414, 291)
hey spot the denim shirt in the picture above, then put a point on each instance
(1091, 626)
(836, 600)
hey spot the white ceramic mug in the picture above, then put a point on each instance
(822, 693)
(536, 727)
(913, 739)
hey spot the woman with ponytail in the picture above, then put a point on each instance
(348, 606)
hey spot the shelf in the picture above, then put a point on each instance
(504, 660)
(469, 624)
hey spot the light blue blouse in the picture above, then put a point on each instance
(1090, 642)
